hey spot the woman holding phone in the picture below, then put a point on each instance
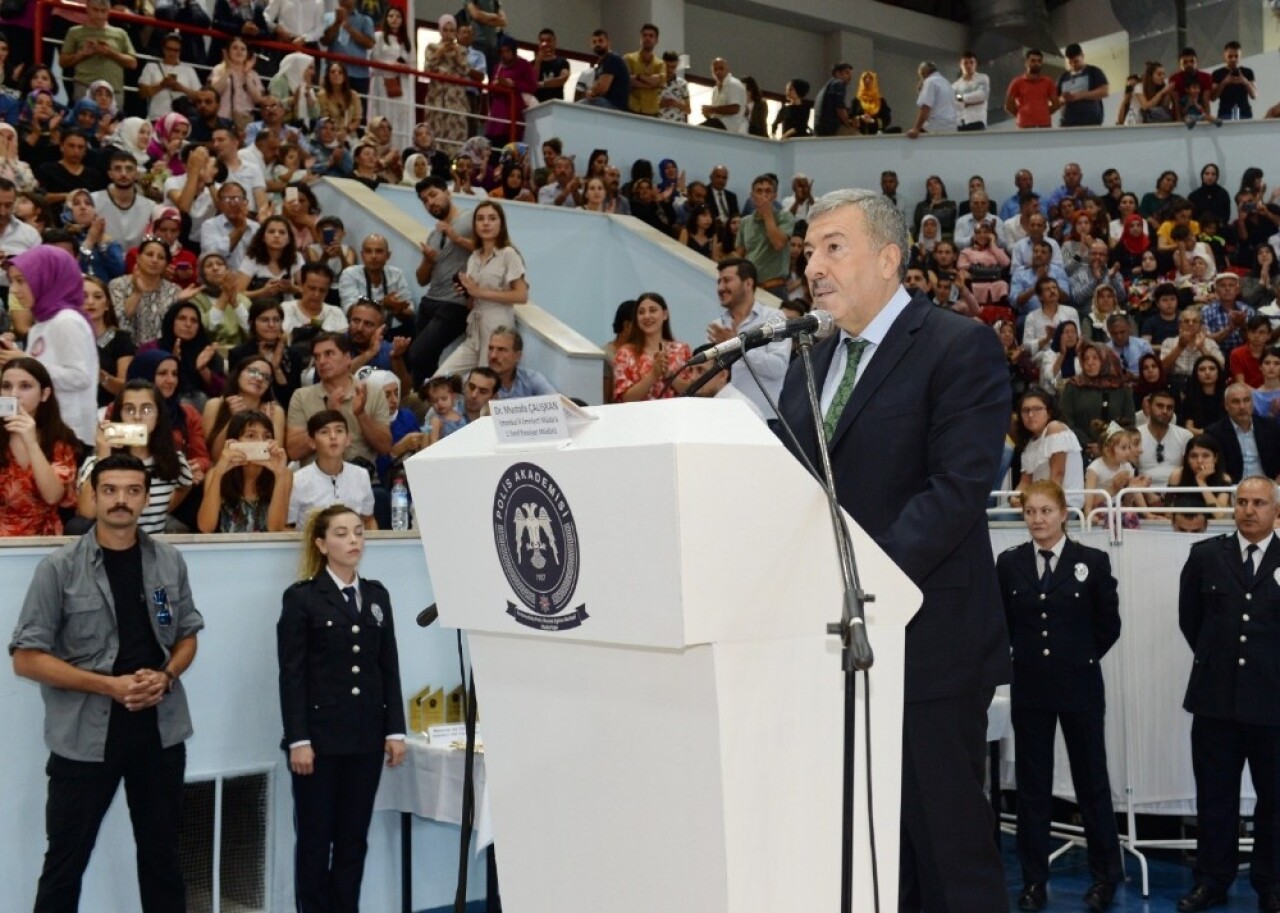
(642, 363)
(247, 490)
(37, 452)
(341, 703)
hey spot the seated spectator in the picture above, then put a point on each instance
(451, 412)
(1037, 231)
(1153, 204)
(699, 232)
(979, 214)
(1130, 350)
(1179, 212)
(982, 267)
(140, 403)
(1098, 310)
(193, 192)
(1203, 397)
(115, 346)
(1024, 290)
(390, 165)
(48, 284)
(1045, 448)
(764, 235)
(231, 231)
(1143, 283)
(248, 390)
(936, 204)
(363, 407)
(330, 479)
(268, 339)
(143, 297)
(1202, 467)
(98, 255)
(70, 171)
(423, 143)
(1114, 469)
(271, 266)
(1150, 379)
(1060, 362)
(566, 187)
(206, 118)
(1226, 316)
(1022, 371)
(12, 167)
(506, 349)
(1180, 353)
(495, 281)
(366, 329)
(122, 204)
(237, 83)
(132, 136)
(365, 167)
(407, 437)
(511, 183)
(1127, 253)
(294, 87)
(201, 371)
(1126, 205)
(1245, 361)
(327, 248)
(1096, 393)
(376, 280)
(168, 137)
(243, 495)
(1250, 446)
(330, 150)
(1163, 442)
(642, 364)
(37, 453)
(310, 309)
(160, 367)
(224, 310)
(166, 224)
(928, 238)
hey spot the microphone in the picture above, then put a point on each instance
(427, 617)
(818, 323)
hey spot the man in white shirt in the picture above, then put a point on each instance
(972, 91)
(1163, 442)
(564, 189)
(736, 288)
(226, 147)
(378, 281)
(127, 212)
(979, 213)
(728, 108)
(936, 103)
(166, 80)
(15, 235)
(299, 22)
(1037, 231)
(230, 232)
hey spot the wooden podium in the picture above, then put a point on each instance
(646, 610)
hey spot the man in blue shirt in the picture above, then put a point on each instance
(611, 87)
(349, 32)
(506, 348)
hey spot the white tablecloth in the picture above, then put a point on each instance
(429, 784)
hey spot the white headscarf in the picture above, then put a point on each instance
(294, 69)
(410, 164)
(126, 138)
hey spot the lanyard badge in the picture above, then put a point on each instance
(164, 616)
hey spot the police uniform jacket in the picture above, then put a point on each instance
(1059, 637)
(1233, 626)
(339, 677)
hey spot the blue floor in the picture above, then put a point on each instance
(1169, 876)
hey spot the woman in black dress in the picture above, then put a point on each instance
(341, 702)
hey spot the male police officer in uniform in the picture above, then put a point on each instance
(1229, 611)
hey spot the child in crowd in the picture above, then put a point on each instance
(1266, 398)
(446, 408)
(330, 479)
(1115, 470)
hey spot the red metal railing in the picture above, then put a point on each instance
(76, 11)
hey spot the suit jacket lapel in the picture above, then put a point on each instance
(801, 421)
(1268, 561)
(1065, 567)
(887, 355)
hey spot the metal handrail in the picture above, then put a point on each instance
(166, 25)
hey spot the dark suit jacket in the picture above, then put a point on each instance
(1059, 637)
(1233, 627)
(1265, 432)
(730, 197)
(339, 679)
(915, 453)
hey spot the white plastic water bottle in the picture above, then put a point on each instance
(399, 504)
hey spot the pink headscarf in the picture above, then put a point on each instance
(446, 19)
(55, 280)
(160, 136)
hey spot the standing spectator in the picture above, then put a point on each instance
(387, 98)
(47, 282)
(167, 80)
(1032, 97)
(757, 108)
(494, 280)
(237, 83)
(1226, 611)
(514, 73)
(611, 80)
(728, 108)
(673, 100)
(297, 22)
(338, 101)
(487, 20)
(442, 313)
(446, 102)
(647, 73)
(1081, 90)
(1189, 73)
(833, 106)
(553, 70)
(1233, 86)
(339, 719)
(642, 363)
(119, 663)
(97, 51)
(348, 31)
(376, 280)
(241, 18)
(793, 117)
(37, 453)
(973, 91)
(935, 103)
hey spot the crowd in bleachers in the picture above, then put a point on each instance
(169, 175)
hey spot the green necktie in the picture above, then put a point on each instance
(845, 390)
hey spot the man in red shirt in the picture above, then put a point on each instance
(1188, 72)
(1032, 97)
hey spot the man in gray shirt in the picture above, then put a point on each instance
(107, 629)
(442, 314)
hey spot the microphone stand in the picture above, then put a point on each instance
(722, 364)
(855, 655)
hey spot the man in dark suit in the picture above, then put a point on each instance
(1063, 613)
(1229, 612)
(722, 201)
(1240, 433)
(930, 390)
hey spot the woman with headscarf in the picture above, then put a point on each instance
(1132, 244)
(669, 182)
(12, 167)
(167, 138)
(104, 94)
(201, 370)
(927, 239)
(47, 281)
(225, 310)
(416, 167)
(380, 136)
(391, 94)
(134, 136)
(424, 143)
(516, 75)
(294, 86)
(872, 111)
(1096, 393)
(39, 124)
(160, 367)
(484, 175)
(330, 150)
(86, 119)
(446, 102)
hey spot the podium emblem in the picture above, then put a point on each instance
(537, 544)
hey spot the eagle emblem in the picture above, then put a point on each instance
(532, 522)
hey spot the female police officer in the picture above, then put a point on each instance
(340, 699)
(1063, 612)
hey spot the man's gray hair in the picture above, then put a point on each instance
(516, 339)
(886, 225)
(927, 68)
(1275, 494)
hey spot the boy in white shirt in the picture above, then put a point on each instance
(329, 479)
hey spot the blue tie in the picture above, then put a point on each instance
(349, 593)
(1047, 555)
